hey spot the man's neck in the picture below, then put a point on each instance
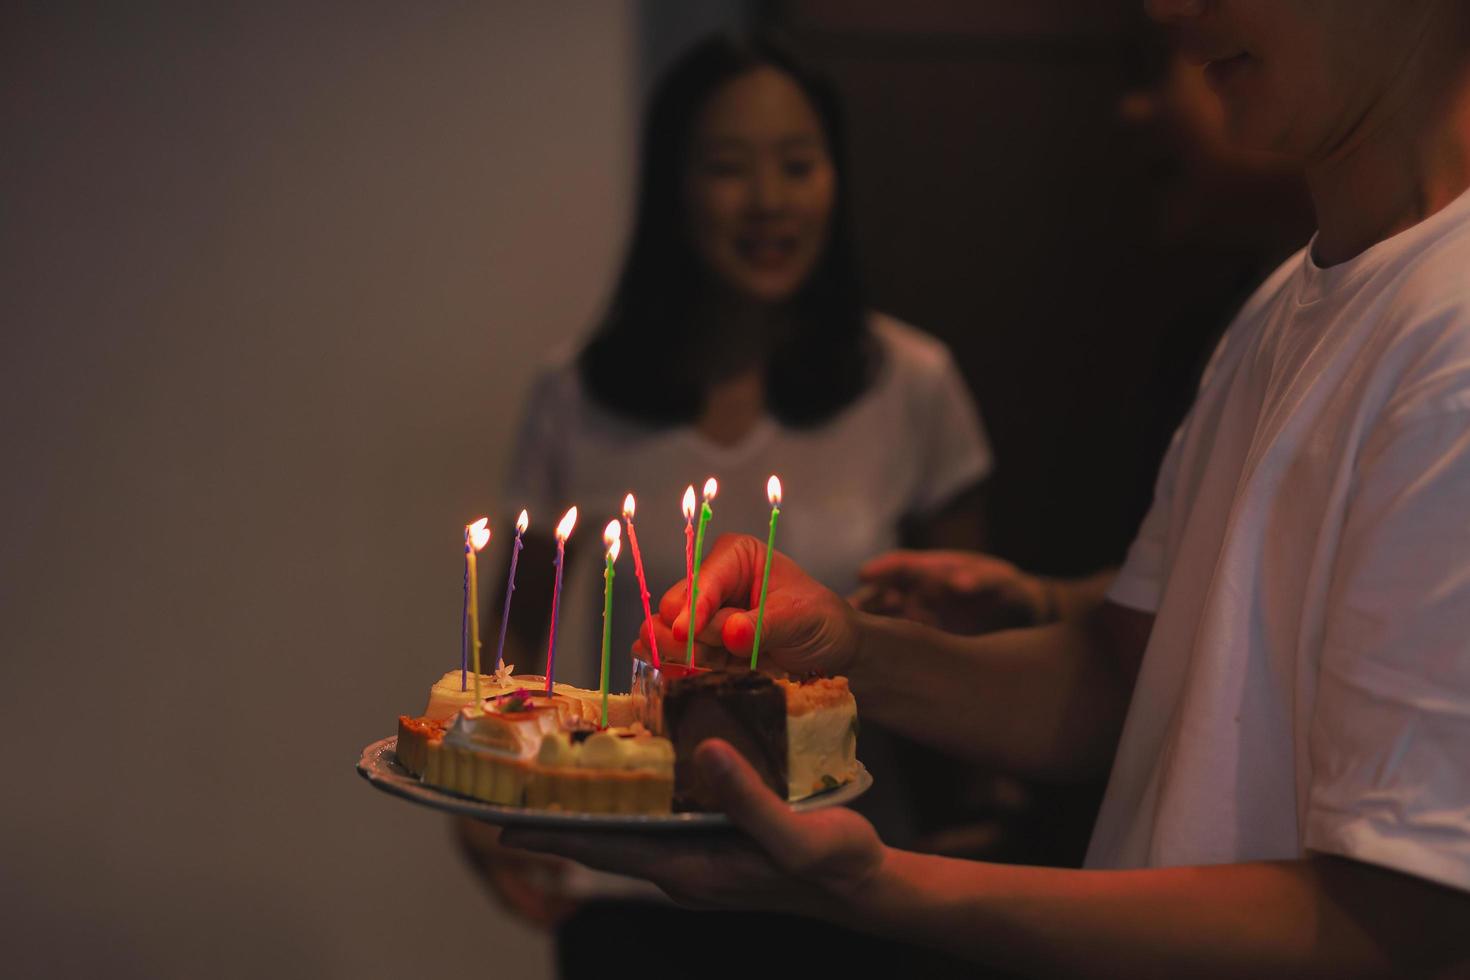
(1407, 161)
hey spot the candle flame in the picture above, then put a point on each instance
(568, 521)
(478, 533)
(710, 489)
(522, 522)
(612, 537)
(628, 506)
(773, 490)
(689, 502)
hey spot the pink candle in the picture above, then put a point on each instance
(563, 531)
(628, 507)
(689, 545)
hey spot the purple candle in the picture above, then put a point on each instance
(563, 531)
(522, 523)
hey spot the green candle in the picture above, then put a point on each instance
(612, 537)
(710, 489)
(773, 494)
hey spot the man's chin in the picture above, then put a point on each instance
(1250, 131)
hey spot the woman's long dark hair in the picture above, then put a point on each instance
(644, 362)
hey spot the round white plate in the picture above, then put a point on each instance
(380, 767)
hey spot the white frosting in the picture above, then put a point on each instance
(446, 697)
(516, 734)
(822, 743)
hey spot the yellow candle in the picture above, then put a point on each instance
(476, 536)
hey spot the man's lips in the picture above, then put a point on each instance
(1198, 49)
(1219, 71)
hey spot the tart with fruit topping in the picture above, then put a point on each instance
(616, 770)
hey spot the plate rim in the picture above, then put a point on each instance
(383, 772)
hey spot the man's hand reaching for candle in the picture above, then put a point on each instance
(956, 591)
(808, 627)
(812, 863)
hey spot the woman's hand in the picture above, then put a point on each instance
(526, 885)
(808, 628)
(813, 863)
(957, 591)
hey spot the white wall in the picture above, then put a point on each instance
(271, 275)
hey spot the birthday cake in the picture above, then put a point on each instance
(523, 747)
(528, 742)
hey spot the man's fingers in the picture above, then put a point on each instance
(784, 628)
(981, 574)
(751, 805)
(662, 635)
(673, 602)
(713, 632)
(726, 578)
(896, 569)
(738, 633)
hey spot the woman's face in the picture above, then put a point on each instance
(759, 186)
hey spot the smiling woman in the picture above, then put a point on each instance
(760, 185)
(737, 344)
(742, 261)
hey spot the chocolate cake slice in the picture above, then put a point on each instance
(748, 710)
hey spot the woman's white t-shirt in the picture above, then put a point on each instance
(1307, 682)
(907, 445)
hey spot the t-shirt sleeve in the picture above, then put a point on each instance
(956, 452)
(1390, 737)
(1139, 584)
(535, 479)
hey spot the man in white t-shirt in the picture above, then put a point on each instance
(1280, 680)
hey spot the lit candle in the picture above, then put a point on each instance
(563, 531)
(710, 489)
(688, 507)
(611, 537)
(476, 536)
(522, 523)
(464, 628)
(773, 494)
(628, 507)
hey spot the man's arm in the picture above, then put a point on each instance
(1044, 702)
(1321, 916)
(1318, 917)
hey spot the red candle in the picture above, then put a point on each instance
(628, 508)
